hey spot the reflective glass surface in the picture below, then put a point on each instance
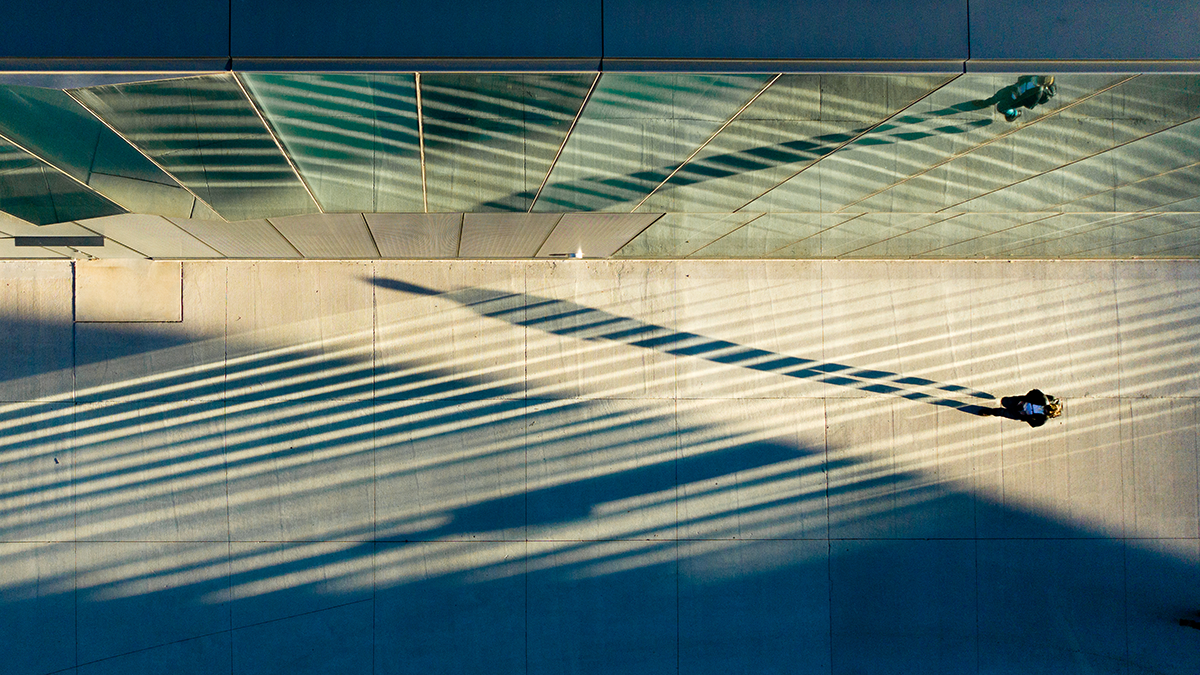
(205, 133)
(637, 129)
(799, 119)
(490, 138)
(73, 140)
(896, 166)
(353, 137)
(40, 194)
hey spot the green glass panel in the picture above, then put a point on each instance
(766, 236)
(39, 194)
(205, 133)
(353, 137)
(60, 131)
(948, 147)
(1093, 169)
(635, 131)
(799, 119)
(490, 138)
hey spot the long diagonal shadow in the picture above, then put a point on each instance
(562, 317)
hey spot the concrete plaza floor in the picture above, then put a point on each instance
(604, 467)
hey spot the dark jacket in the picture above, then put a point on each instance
(1016, 405)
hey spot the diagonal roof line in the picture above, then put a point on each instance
(421, 140)
(710, 140)
(857, 136)
(275, 137)
(587, 97)
(143, 153)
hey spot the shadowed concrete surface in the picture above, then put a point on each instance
(604, 466)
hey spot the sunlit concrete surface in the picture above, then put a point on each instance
(604, 467)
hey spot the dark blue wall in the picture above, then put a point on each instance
(416, 29)
(799, 29)
(553, 34)
(191, 30)
(1085, 29)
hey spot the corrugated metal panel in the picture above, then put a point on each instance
(594, 235)
(242, 239)
(331, 236)
(153, 236)
(505, 235)
(416, 235)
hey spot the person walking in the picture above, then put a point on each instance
(1034, 407)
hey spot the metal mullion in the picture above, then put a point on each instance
(421, 141)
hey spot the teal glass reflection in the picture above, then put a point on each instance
(1144, 132)
(60, 131)
(353, 137)
(205, 133)
(635, 131)
(798, 120)
(39, 194)
(954, 146)
(490, 138)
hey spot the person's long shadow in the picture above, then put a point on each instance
(562, 317)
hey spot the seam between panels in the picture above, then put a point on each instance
(674, 325)
(828, 509)
(678, 617)
(525, 552)
(1125, 605)
(74, 458)
(374, 462)
(975, 530)
(225, 466)
(525, 432)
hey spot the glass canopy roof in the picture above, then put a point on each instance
(700, 165)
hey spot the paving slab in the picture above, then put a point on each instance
(485, 584)
(151, 472)
(38, 621)
(757, 606)
(1052, 606)
(134, 596)
(317, 318)
(329, 640)
(37, 463)
(206, 654)
(36, 329)
(606, 607)
(903, 606)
